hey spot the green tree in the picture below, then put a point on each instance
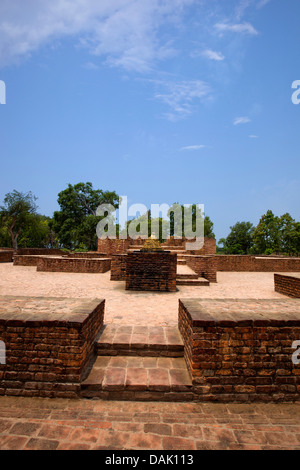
(239, 240)
(192, 211)
(267, 234)
(15, 214)
(37, 233)
(75, 224)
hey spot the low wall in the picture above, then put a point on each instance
(151, 271)
(73, 265)
(26, 260)
(113, 247)
(48, 352)
(40, 251)
(88, 254)
(6, 256)
(246, 263)
(287, 285)
(118, 268)
(205, 266)
(241, 350)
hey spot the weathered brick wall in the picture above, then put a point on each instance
(46, 357)
(151, 271)
(88, 254)
(205, 266)
(287, 285)
(73, 265)
(113, 247)
(26, 260)
(40, 251)
(118, 268)
(241, 360)
(247, 263)
(6, 256)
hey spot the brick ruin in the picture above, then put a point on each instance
(6, 256)
(288, 284)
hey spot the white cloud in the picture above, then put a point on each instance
(241, 28)
(253, 136)
(213, 55)
(181, 96)
(193, 147)
(241, 120)
(124, 31)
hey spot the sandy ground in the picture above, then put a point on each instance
(132, 308)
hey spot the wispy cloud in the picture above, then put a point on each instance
(124, 32)
(252, 136)
(241, 120)
(213, 55)
(181, 97)
(241, 28)
(192, 148)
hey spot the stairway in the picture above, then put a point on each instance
(139, 363)
(187, 277)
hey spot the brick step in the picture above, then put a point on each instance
(181, 262)
(201, 281)
(187, 276)
(140, 341)
(138, 379)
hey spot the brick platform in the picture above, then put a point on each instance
(241, 350)
(247, 263)
(6, 256)
(49, 344)
(288, 285)
(151, 271)
(73, 265)
(26, 260)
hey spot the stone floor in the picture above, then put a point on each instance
(132, 308)
(94, 424)
(67, 424)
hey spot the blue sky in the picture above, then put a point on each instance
(160, 100)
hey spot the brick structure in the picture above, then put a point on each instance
(118, 268)
(6, 256)
(241, 350)
(88, 254)
(73, 265)
(247, 263)
(115, 247)
(204, 266)
(153, 271)
(40, 251)
(288, 285)
(26, 260)
(49, 344)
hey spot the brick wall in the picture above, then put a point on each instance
(118, 268)
(73, 265)
(246, 263)
(40, 251)
(241, 356)
(205, 266)
(88, 254)
(26, 260)
(47, 354)
(287, 285)
(6, 256)
(151, 271)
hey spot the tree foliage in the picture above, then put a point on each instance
(75, 224)
(239, 240)
(17, 213)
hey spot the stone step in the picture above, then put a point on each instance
(138, 379)
(181, 262)
(201, 281)
(140, 341)
(186, 276)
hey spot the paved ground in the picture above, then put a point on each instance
(63, 424)
(89, 424)
(131, 308)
